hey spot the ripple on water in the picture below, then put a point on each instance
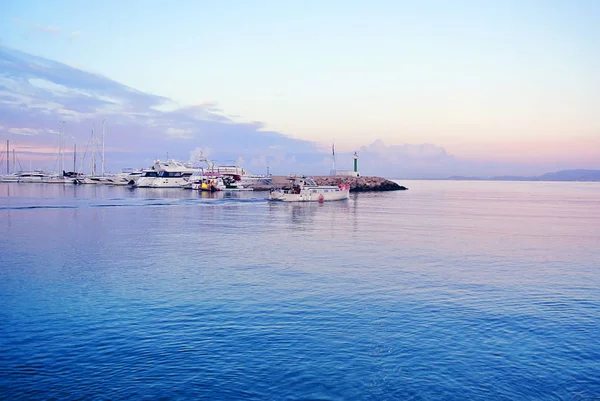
(447, 291)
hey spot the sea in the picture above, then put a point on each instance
(452, 290)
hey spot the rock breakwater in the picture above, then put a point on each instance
(361, 184)
(357, 184)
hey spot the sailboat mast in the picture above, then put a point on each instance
(103, 148)
(59, 143)
(14, 162)
(75, 158)
(7, 153)
(62, 149)
(93, 151)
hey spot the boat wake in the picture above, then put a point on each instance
(149, 202)
(31, 207)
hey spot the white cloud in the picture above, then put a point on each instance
(166, 106)
(23, 131)
(49, 85)
(179, 133)
(47, 28)
(206, 103)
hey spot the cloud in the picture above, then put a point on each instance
(47, 28)
(16, 20)
(23, 131)
(37, 93)
(207, 103)
(179, 133)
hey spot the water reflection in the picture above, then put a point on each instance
(313, 215)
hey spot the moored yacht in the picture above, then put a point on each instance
(169, 174)
(12, 177)
(145, 179)
(39, 177)
(246, 179)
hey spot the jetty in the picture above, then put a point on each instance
(357, 184)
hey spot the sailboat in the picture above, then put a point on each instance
(9, 177)
(94, 177)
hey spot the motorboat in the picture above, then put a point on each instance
(233, 184)
(245, 178)
(145, 179)
(210, 181)
(40, 177)
(305, 189)
(12, 177)
(169, 174)
(209, 184)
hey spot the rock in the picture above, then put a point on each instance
(357, 184)
(360, 184)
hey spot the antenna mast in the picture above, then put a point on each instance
(333, 172)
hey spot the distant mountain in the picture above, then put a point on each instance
(563, 175)
(572, 175)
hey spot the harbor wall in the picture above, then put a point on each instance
(357, 184)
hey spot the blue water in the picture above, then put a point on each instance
(448, 291)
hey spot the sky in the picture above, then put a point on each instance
(513, 82)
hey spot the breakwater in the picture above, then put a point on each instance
(357, 184)
(361, 184)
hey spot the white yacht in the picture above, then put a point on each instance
(146, 179)
(126, 177)
(169, 174)
(303, 189)
(245, 178)
(39, 177)
(233, 184)
(12, 177)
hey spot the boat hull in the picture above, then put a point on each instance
(322, 194)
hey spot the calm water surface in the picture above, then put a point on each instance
(449, 291)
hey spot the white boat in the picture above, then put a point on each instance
(233, 184)
(245, 178)
(126, 177)
(145, 179)
(256, 180)
(39, 177)
(304, 189)
(33, 176)
(208, 183)
(169, 174)
(12, 177)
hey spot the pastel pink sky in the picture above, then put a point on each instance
(506, 81)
